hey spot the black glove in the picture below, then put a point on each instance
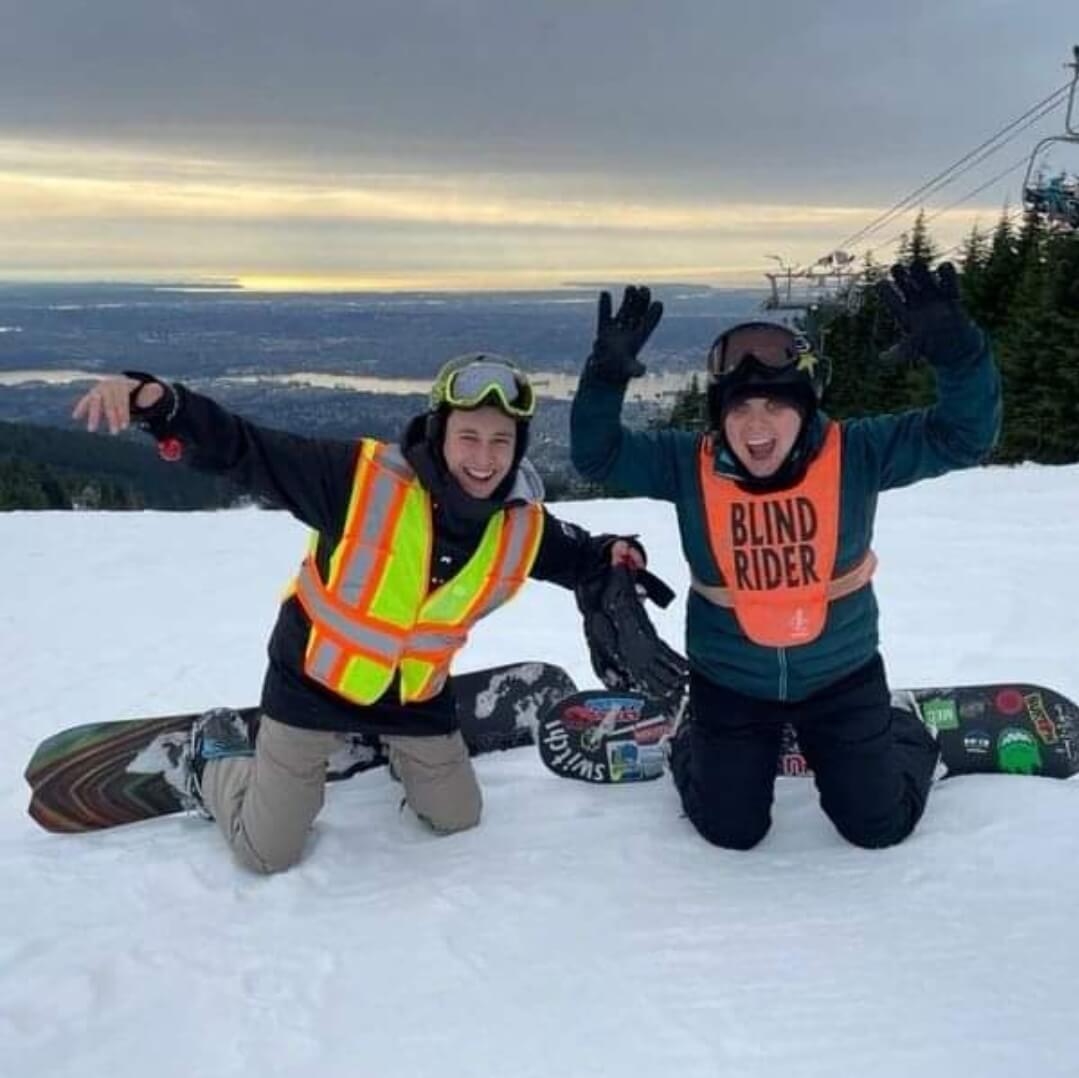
(619, 339)
(163, 410)
(626, 651)
(649, 586)
(927, 308)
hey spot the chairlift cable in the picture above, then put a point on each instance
(1047, 104)
(1013, 219)
(977, 161)
(1042, 108)
(999, 146)
(973, 164)
(951, 206)
(988, 183)
(979, 189)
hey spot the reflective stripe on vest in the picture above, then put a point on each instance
(372, 617)
(777, 551)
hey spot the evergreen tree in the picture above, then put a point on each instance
(1039, 348)
(972, 264)
(60, 468)
(1023, 287)
(920, 246)
(689, 411)
(27, 485)
(996, 284)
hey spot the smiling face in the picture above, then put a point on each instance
(478, 449)
(761, 432)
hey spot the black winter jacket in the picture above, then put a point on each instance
(312, 478)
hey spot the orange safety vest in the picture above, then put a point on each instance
(372, 617)
(777, 551)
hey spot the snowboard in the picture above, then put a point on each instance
(107, 773)
(604, 736)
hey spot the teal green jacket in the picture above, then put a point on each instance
(878, 453)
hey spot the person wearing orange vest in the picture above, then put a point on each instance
(775, 505)
(412, 544)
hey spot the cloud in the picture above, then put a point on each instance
(115, 212)
(745, 98)
(602, 130)
(93, 183)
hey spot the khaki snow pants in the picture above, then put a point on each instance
(265, 804)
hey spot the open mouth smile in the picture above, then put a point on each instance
(760, 448)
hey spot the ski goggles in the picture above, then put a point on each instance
(474, 384)
(770, 345)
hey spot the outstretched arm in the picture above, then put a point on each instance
(601, 448)
(310, 477)
(961, 428)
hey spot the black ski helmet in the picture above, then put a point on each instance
(765, 359)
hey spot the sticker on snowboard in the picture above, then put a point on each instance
(608, 737)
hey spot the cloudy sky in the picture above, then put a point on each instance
(499, 143)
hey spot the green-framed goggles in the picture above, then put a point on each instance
(472, 383)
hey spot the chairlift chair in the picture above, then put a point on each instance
(1057, 198)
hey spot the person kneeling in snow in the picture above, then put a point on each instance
(775, 507)
(413, 543)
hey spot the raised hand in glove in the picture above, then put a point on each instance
(626, 651)
(927, 307)
(619, 338)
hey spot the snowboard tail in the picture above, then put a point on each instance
(602, 736)
(89, 776)
(103, 774)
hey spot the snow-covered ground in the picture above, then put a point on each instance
(580, 930)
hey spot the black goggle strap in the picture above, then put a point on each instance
(727, 355)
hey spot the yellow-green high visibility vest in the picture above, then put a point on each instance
(373, 615)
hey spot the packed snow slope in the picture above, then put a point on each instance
(579, 930)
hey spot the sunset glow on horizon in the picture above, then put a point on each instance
(124, 214)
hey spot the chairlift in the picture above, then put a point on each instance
(1056, 197)
(798, 288)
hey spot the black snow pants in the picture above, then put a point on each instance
(873, 764)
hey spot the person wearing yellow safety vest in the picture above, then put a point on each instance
(775, 506)
(412, 544)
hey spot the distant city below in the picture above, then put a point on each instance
(654, 387)
(336, 365)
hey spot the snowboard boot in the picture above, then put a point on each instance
(676, 748)
(914, 734)
(679, 730)
(216, 735)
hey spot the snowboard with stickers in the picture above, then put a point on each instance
(605, 736)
